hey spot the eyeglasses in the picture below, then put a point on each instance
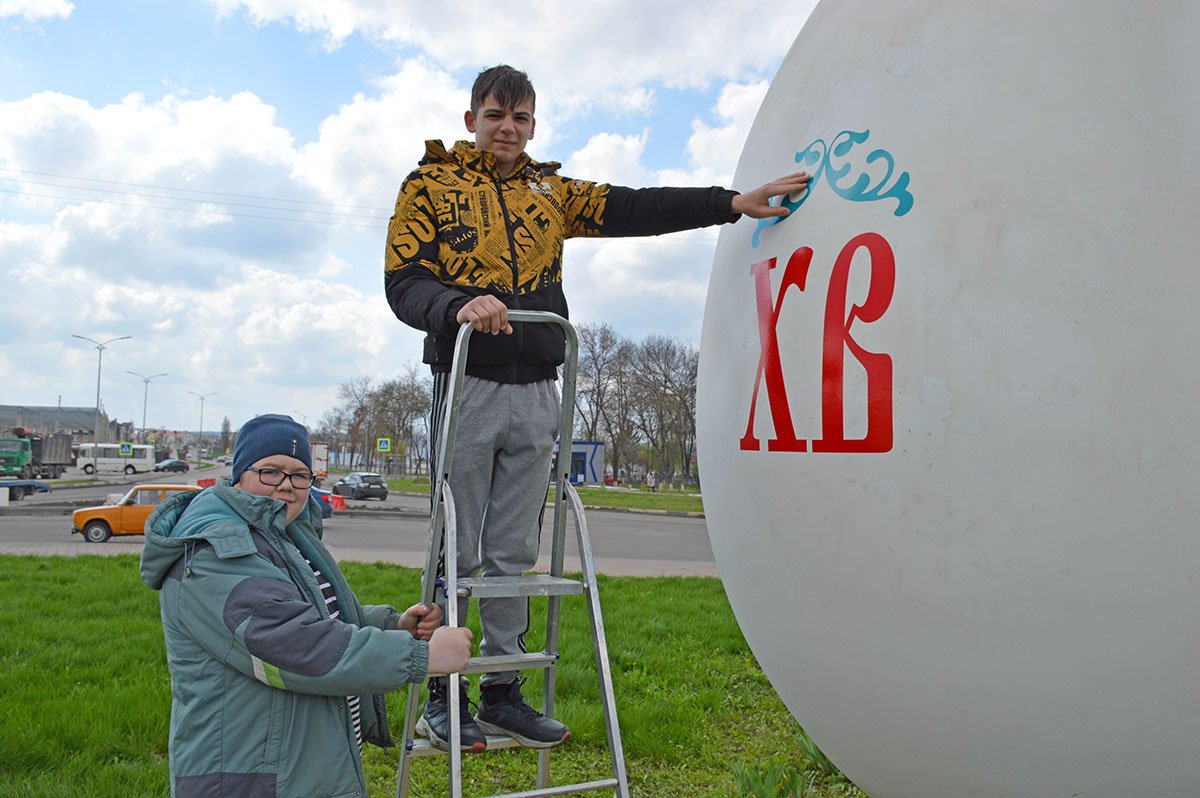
(273, 477)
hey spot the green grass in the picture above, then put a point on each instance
(409, 485)
(681, 501)
(87, 695)
(687, 500)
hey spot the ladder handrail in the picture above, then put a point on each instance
(566, 421)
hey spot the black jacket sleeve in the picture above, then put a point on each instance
(597, 209)
(420, 300)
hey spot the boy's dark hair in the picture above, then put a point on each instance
(509, 86)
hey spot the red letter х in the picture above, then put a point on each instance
(768, 360)
(838, 339)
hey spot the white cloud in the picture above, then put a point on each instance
(366, 149)
(265, 313)
(617, 158)
(713, 149)
(579, 55)
(33, 10)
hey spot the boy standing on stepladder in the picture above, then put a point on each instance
(479, 230)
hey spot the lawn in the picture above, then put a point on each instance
(87, 695)
(665, 499)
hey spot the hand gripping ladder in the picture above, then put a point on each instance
(442, 530)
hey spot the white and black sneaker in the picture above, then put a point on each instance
(503, 711)
(434, 723)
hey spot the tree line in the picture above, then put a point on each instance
(637, 396)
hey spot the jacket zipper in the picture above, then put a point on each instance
(512, 249)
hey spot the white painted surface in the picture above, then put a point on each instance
(1005, 602)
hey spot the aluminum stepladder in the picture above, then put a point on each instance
(553, 586)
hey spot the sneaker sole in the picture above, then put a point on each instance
(526, 742)
(426, 731)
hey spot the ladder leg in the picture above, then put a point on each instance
(549, 679)
(429, 586)
(600, 647)
(453, 679)
(410, 720)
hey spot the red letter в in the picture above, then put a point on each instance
(838, 339)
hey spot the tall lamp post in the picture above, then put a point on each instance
(303, 418)
(145, 396)
(99, 362)
(200, 443)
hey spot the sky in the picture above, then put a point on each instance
(214, 177)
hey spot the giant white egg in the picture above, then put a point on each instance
(947, 410)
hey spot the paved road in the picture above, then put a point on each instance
(632, 544)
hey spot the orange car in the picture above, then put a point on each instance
(126, 517)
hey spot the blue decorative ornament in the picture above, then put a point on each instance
(822, 156)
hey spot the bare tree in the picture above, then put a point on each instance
(665, 406)
(617, 413)
(333, 428)
(355, 396)
(399, 407)
(599, 345)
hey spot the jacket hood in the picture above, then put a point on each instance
(221, 516)
(466, 154)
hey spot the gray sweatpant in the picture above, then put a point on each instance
(498, 475)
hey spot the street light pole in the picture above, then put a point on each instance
(96, 418)
(145, 396)
(200, 442)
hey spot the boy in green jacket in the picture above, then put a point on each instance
(276, 669)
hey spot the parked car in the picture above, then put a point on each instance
(225, 459)
(172, 465)
(322, 496)
(127, 516)
(361, 485)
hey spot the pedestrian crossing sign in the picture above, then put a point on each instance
(126, 450)
(383, 444)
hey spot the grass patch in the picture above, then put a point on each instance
(409, 485)
(681, 501)
(686, 500)
(87, 694)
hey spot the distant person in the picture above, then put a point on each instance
(276, 669)
(478, 230)
(650, 481)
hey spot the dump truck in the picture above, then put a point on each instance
(29, 455)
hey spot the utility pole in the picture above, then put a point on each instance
(200, 442)
(145, 396)
(96, 419)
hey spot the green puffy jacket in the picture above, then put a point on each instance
(259, 671)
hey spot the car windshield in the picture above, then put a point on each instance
(10, 446)
(372, 479)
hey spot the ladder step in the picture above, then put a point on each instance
(563, 789)
(422, 747)
(511, 662)
(518, 586)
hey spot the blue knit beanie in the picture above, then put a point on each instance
(268, 434)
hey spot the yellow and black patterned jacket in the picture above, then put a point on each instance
(460, 231)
